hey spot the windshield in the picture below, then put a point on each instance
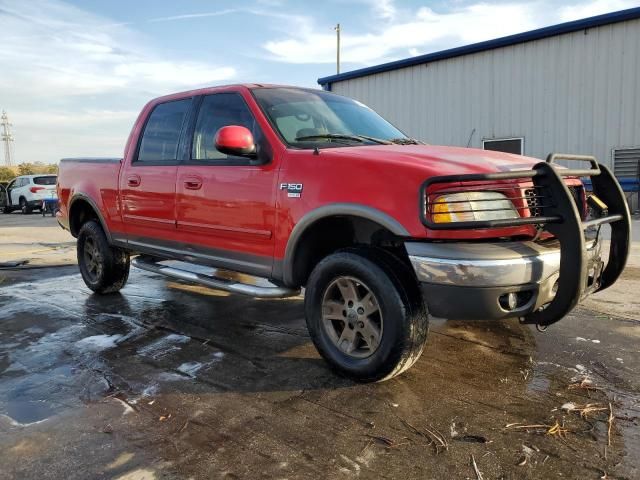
(309, 119)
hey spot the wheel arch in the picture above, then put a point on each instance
(355, 215)
(81, 209)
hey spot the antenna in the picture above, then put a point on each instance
(7, 138)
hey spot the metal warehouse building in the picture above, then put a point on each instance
(570, 88)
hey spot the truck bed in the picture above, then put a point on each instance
(93, 178)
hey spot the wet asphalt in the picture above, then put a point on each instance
(169, 380)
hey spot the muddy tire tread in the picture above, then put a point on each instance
(116, 262)
(403, 280)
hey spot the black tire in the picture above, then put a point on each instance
(24, 206)
(104, 269)
(404, 321)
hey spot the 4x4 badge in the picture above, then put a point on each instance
(294, 190)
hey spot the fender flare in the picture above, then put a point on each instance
(84, 197)
(332, 210)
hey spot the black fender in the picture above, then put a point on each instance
(86, 198)
(285, 270)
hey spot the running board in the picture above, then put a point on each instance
(146, 263)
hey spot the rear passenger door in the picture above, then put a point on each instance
(226, 204)
(147, 185)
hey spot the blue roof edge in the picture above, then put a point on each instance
(538, 34)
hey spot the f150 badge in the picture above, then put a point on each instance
(294, 190)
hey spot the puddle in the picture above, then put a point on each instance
(190, 368)
(166, 352)
(98, 343)
(55, 359)
(24, 411)
(164, 346)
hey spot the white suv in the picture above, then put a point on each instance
(28, 192)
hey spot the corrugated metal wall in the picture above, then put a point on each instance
(573, 93)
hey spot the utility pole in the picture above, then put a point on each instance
(337, 29)
(7, 138)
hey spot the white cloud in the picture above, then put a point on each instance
(470, 24)
(271, 3)
(57, 47)
(188, 16)
(427, 30)
(288, 22)
(64, 68)
(384, 8)
(592, 8)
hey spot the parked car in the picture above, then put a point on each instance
(310, 189)
(28, 192)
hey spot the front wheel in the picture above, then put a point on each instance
(104, 269)
(365, 315)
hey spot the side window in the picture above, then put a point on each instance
(507, 145)
(162, 132)
(217, 111)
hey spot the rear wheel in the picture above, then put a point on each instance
(104, 269)
(365, 314)
(24, 206)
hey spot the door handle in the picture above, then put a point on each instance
(133, 181)
(193, 183)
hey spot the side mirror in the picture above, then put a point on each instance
(235, 140)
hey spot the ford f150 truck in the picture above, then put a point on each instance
(304, 188)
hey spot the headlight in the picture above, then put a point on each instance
(472, 206)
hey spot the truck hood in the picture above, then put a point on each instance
(437, 160)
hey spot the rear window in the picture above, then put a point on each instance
(162, 132)
(48, 180)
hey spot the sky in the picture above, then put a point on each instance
(74, 74)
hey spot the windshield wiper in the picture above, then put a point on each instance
(376, 140)
(332, 136)
(404, 141)
(343, 136)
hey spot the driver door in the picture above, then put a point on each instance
(226, 204)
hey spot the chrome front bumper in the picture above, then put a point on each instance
(483, 264)
(490, 280)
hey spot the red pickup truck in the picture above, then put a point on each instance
(304, 188)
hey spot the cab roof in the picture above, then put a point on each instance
(222, 88)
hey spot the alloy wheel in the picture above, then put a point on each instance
(351, 317)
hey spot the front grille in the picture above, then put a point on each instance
(535, 207)
(578, 198)
(533, 202)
